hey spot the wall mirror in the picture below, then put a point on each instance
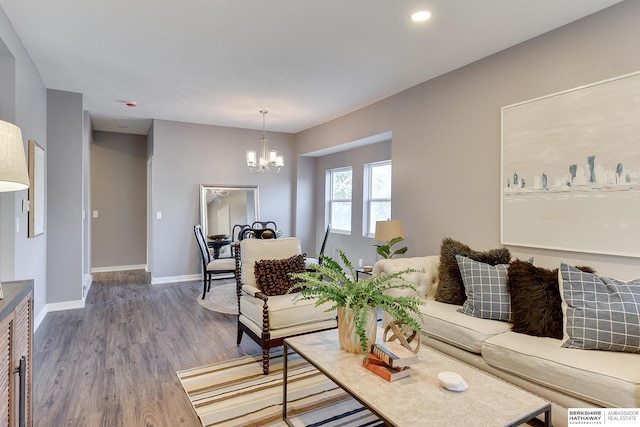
(223, 206)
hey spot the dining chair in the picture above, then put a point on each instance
(315, 261)
(258, 233)
(264, 224)
(220, 268)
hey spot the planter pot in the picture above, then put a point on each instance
(349, 341)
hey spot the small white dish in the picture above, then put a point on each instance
(452, 381)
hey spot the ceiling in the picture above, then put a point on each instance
(219, 62)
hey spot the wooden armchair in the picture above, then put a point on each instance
(269, 319)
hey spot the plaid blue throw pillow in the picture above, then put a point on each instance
(601, 313)
(486, 288)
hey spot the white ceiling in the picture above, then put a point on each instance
(219, 62)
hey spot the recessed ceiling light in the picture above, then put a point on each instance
(421, 16)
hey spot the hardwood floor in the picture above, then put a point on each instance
(114, 362)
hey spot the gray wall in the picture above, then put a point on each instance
(23, 102)
(446, 132)
(308, 218)
(446, 156)
(355, 245)
(119, 194)
(65, 246)
(187, 155)
(87, 138)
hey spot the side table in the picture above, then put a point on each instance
(361, 271)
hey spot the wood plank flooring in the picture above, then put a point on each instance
(114, 362)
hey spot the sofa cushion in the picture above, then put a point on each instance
(424, 278)
(601, 313)
(486, 289)
(451, 289)
(602, 377)
(443, 322)
(284, 312)
(272, 275)
(536, 306)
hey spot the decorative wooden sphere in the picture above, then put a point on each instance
(402, 333)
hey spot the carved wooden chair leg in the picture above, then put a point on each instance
(265, 361)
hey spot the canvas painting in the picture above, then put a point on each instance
(571, 170)
(36, 189)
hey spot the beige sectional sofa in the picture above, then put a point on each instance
(568, 378)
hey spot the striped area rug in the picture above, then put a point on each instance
(236, 393)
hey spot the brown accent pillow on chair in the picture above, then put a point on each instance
(536, 305)
(451, 288)
(272, 275)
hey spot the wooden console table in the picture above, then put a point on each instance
(16, 338)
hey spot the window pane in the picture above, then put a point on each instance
(379, 211)
(381, 181)
(341, 215)
(341, 185)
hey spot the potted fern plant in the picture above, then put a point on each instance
(357, 301)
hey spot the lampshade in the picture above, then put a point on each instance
(13, 163)
(387, 230)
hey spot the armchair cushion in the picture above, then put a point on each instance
(254, 250)
(272, 275)
(285, 311)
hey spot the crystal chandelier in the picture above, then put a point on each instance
(269, 160)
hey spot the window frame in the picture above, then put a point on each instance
(331, 200)
(369, 199)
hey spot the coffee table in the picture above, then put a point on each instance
(419, 398)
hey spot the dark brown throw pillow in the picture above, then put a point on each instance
(451, 288)
(536, 305)
(272, 275)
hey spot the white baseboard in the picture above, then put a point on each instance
(189, 278)
(56, 306)
(39, 318)
(172, 279)
(87, 280)
(119, 268)
(65, 305)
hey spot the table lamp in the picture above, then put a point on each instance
(13, 162)
(389, 231)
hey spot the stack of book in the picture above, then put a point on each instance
(390, 360)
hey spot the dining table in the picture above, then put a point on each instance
(217, 245)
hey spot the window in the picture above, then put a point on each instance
(378, 206)
(340, 199)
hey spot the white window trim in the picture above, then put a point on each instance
(368, 198)
(330, 172)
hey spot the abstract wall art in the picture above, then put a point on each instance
(571, 169)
